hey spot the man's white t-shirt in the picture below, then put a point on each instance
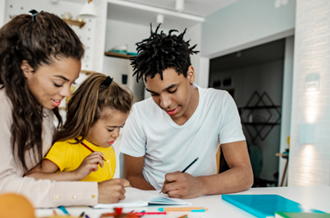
(149, 131)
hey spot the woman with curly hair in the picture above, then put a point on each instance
(40, 58)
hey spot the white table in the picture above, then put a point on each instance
(317, 197)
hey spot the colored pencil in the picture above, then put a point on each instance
(149, 213)
(91, 149)
(64, 210)
(191, 209)
(201, 210)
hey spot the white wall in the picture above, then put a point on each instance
(266, 77)
(100, 34)
(286, 102)
(204, 68)
(310, 162)
(194, 34)
(87, 34)
(243, 23)
(2, 12)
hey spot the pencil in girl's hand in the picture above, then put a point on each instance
(90, 149)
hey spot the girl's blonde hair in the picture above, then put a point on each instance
(87, 103)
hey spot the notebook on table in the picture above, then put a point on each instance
(265, 206)
(140, 198)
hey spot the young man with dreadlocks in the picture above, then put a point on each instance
(181, 121)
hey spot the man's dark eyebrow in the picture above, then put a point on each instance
(62, 77)
(169, 87)
(150, 90)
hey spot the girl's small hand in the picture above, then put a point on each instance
(89, 164)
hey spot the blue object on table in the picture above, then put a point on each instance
(264, 206)
(64, 210)
(201, 210)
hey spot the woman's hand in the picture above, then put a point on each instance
(112, 191)
(89, 164)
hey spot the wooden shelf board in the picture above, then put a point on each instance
(117, 55)
(81, 24)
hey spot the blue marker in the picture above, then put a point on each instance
(64, 210)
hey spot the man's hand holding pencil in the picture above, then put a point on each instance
(182, 184)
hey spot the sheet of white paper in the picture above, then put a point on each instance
(140, 198)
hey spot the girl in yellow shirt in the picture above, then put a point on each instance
(95, 114)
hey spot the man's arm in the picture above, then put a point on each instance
(238, 178)
(132, 171)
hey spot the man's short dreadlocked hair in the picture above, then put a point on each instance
(161, 51)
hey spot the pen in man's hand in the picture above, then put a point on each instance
(185, 169)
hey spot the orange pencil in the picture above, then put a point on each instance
(54, 213)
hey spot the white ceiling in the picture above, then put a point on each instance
(196, 7)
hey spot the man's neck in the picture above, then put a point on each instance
(191, 108)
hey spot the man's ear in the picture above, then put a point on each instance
(191, 74)
(26, 69)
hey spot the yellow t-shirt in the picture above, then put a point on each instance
(68, 157)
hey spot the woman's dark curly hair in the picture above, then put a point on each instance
(39, 41)
(161, 51)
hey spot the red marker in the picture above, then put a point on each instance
(150, 213)
(90, 149)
